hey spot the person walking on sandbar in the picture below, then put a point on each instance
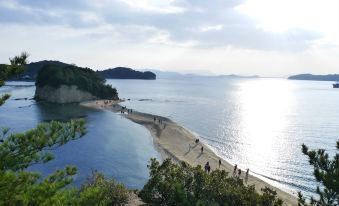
(207, 167)
(219, 163)
(235, 169)
(202, 149)
(246, 176)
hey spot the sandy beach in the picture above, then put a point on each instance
(175, 142)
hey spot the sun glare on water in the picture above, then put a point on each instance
(264, 107)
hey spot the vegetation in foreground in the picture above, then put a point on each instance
(169, 183)
(84, 78)
(326, 172)
(181, 184)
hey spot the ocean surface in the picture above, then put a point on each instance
(258, 124)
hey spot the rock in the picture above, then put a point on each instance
(63, 94)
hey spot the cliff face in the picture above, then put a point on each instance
(63, 94)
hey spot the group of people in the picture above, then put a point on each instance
(237, 172)
(208, 167)
(159, 121)
(124, 108)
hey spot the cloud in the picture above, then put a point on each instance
(186, 23)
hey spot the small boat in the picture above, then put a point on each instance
(336, 85)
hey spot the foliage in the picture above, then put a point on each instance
(99, 190)
(6, 71)
(18, 63)
(84, 78)
(326, 172)
(181, 184)
(19, 151)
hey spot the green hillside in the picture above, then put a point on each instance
(84, 78)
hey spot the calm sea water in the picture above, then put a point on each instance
(256, 123)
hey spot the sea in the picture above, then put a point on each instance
(256, 123)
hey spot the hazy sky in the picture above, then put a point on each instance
(264, 37)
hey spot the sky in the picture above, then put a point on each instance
(245, 37)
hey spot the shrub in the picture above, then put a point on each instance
(182, 184)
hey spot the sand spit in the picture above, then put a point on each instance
(175, 142)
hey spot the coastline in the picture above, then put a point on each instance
(174, 141)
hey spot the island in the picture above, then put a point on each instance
(70, 84)
(126, 73)
(328, 77)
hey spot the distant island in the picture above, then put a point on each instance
(68, 84)
(32, 70)
(126, 73)
(329, 77)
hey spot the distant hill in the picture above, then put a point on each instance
(329, 77)
(126, 73)
(171, 75)
(32, 69)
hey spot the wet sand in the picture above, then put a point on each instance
(175, 142)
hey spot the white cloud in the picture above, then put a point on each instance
(157, 6)
(211, 28)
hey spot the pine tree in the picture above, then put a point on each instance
(326, 172)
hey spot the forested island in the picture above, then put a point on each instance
(32, 70)
(126, 73)
(328, 77)
(66, 84)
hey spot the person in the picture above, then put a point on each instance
(219, 162)
(189, 147)
(206, 166)
(246, 176)
(202, 149)
(239, 172)
(235, 169)
(208, 169)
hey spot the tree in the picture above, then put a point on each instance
(6, 71)
(326, 172)
(182, 184)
